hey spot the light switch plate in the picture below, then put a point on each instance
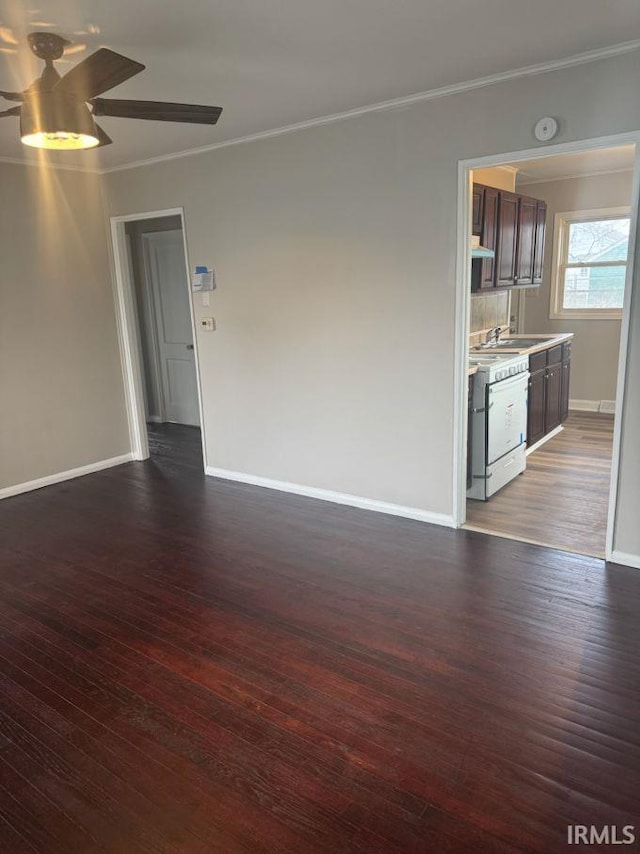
(206, 300)
(208, 323)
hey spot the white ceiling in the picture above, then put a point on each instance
(275, 63)
(595, 162)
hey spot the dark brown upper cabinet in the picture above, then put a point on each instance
(527, 210)
(514, 227)
(538, 252)
(483, 269)
(507, 242)
(477, 208)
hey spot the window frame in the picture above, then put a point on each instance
(561, 224)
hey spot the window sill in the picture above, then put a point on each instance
(587, 314)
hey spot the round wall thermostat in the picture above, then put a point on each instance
(546, 129)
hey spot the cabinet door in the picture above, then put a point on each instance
(535, 408)
(489, 236)
(527, 212)
(478, 205)
(564, 395)
(553, 397)
(541, 231)
(505, 275)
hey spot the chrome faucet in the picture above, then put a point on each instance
(493, 335)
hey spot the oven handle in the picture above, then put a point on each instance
(508, 382)
(481, 408)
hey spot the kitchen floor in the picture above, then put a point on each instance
(561, 500)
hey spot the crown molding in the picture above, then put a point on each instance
(46, 164)
(628, 169)
(510, 170)
(395, 103)
(381, 106)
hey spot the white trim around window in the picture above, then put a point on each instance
(560, 248)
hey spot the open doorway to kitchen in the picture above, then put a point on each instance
(158, 336)
(545, 343)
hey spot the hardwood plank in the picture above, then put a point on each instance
(561, 500)
(10, 838)
(188, 664)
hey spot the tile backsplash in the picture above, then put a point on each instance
(489, 310)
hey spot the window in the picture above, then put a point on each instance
(590, 264)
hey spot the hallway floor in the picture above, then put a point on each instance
(176, 444)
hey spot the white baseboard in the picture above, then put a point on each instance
(585, 405)
(335, 497)
(30, 485)
(608, 406)
(545, 439)
(625, 559)
(155, 419)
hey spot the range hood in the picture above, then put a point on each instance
(478, 251)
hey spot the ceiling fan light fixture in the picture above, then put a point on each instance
(54, 113)
(57, 124)
(60, 140)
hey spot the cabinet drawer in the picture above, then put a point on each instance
(554, 355)
(566, 351)
(537, 361)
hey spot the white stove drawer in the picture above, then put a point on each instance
(505, 469)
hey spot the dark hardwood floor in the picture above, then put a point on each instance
(191, 665)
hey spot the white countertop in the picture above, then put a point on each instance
(546, 341)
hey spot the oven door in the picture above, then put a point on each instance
(506, 416)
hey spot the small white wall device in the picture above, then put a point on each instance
(545, 129)
(203, 279)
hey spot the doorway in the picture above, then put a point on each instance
(556, 321)
(157, 333)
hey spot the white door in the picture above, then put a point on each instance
(165, 263)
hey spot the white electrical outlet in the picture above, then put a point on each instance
(208, 323)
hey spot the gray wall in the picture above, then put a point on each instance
(596, 346)
(61, 391)
(335, 247)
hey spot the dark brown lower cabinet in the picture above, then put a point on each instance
(553, 397)
(548, 402)
(564, 395)
(566, 379)
(535, 411)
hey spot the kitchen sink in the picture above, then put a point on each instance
(512, 343)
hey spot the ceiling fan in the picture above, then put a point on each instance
(58, 112)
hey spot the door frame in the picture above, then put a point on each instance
(463, 309)
(129, 333)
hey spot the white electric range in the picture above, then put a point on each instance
(498, 424)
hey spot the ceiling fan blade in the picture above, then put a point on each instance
(157, 111)
(14, 111)
(99, 72)
(12, 96)
(103, 137)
